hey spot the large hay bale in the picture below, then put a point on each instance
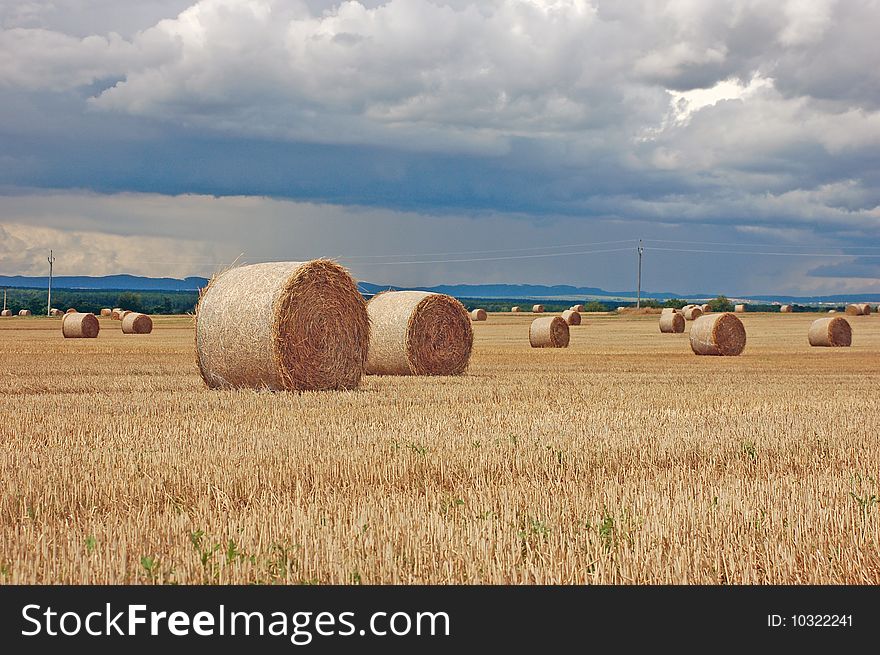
(478, 315)
(282, 326)
(739, 309)
(577, 308)
(515, 309)
(418, 333)
(24, 312)
(79, 325)
(537, 309)
(831, 331)
(572, 317)
(137, 323)
(671, 322)
(106, 311)
(718, 334)
(691, 312)
(549, 332)
(6, 312)
(124, 314)
(71, 310)
(705, 308)
(786, 309)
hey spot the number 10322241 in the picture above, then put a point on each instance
(810, 621)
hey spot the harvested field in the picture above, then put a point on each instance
(621, 459)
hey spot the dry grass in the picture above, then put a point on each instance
(621, 459)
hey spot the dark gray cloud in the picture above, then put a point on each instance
(689, 116)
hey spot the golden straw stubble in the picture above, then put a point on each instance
(549, 332)
(282, 326)
(718, 334)
(76, 325)
(831, 331)
(418, 333)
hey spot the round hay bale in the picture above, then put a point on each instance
(739, 309)
(832, 311)
(537, 309)
(479, 315)
(418, 333)
(6, 312)
(24, 312)
(76, 325)
(137, 323)
(866, 309)
(718, 334)
(786, 309)
(124, 314)
(671, 322)
(832, 331)
(571, 317)
(55, 312)
(71, 310)
(282, 326)
(549, 332)
(116, 315)
(515, 309)
(577, 308)
(705, 308)
(854, 310)
(691, 312)
(106, 312)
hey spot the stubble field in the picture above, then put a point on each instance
(621, 459)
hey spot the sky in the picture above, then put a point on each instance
(423, 142)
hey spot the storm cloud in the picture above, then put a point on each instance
(729, 118)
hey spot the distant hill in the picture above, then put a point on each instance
(115, 282)
(519, 291)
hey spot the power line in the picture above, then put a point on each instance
(774, 254)
(754, 245)
(491, 259)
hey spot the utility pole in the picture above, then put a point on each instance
(49, 303)
(639, 284)
(4, 300)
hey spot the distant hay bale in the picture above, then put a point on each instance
(537, 309)
(77, 325)
(549, 332)
(866, 309)
(671, 322)
(124, 314)
(6, 312)
(71, 310)
(515, 309)
(282, 326)
(668, 310)
(106, 312)
(692, 312)
(571, 317)
(137, 323)
(55, 312)
(418, 333)
(478, 315)
(577, 308)
(832, 311)
(705, 308)
(620, 309)
(739, 309)
(832, 331)
(786, 309)
(854, 310)
(24, 312)
(116, 315)
(718, 334)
